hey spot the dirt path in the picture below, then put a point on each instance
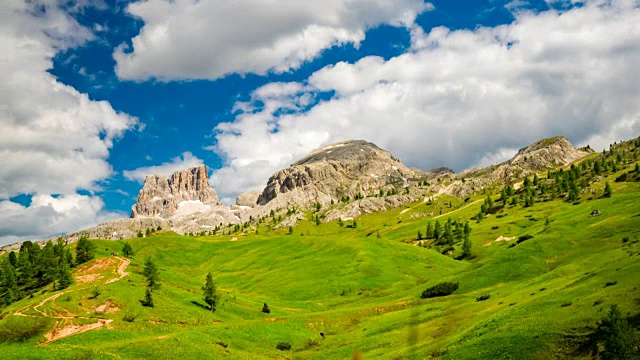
(426, 198)
(464, 207)
(63, 326)
(121, 271)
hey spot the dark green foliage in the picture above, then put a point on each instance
(148, 298)
(127, 250)
(620, 339)
(290, 230)
(622, 178)
(95, 292)
(159, 228)
(466, 247)
(608, 191)
(140, 234)
(8, 284)
(442, 289)
(524, 238)
(265, 309)
(148, 232)
(21, 328)
(85, 250)
(209, 293)
(437, 231)
(150, 272)
(419, 235)
(64, 276)
(429, 232)
(13, 259)
(282, 346)
(483, 297)
(611, 283)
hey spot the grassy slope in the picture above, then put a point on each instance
(362, 291)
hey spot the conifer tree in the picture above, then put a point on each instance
(150, 272)
(607, 190)
(437, 231)
(466, 247)
(9, 284)
(127, 250)
(209, 292)
(85, 250)
(429, 232)
(64, 276)
(148, 298)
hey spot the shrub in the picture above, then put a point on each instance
(597, 302)
(95, 292)
(265, 309)
(19, 329)
(610, 283)
(129, 317)
(442, 289)
(524, 238)
(619, 337)
(223, 344)
(483, 297)
(566, 304)
(622, 178)
(495, 227)
(282, 346)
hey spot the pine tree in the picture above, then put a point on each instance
(9, 285)
(535, 180)
(466, 247)
(608, 191)
(467, 229)
(290, 230)
(265, 309)
(64, 276)
(48, 263)
(429, 232)
(148, 298)
(85, 250)
(209, 292)
(437, 230)
(127, 250)
(148, 232)
(619, 337)
(13, 259)
(150, 272)
(140, 234)
(419, 235)
(637, 169)
(68, 257)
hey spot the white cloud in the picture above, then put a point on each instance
(187, 39)
(47, 216)
(54, 140)
(456, 98)
(185, 161)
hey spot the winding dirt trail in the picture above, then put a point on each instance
(63, 326)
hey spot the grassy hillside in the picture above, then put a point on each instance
(361, 287)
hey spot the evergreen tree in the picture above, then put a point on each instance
(148, 298)
(480, 216)
(148, 232)
(437, 231)
(535, 180)
(467, 229)
(607, 190)
(48, 263)
(209, 293)
(619, 338)
(9, 284)
(290, 230)
(13, 259)
(85, 250)
(429, 232)
(527, 182)
(265, 309)
(140, 234)
(150, 272)
(68, 257)
(64, 276)
(466, 247)
(317, 220)
(127, 250)
(637, 169)
(419, 235)
(355, 224)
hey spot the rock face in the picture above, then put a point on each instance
(344, 169)
(249, 198)
(162, 197)
(540, 156)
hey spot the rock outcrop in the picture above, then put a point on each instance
(348, 168)
(249, 198)
(162, 197)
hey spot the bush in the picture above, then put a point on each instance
(622, 178)
(483, 297)
(524, 238)
(19, 328)
(442, 289)
(282, 346)
(566, 304)
(129, 317)
(610, 283)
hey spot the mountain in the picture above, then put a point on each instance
(163, 197)
(346, 179)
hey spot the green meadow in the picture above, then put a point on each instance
(361, 288)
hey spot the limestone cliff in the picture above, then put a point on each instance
(162, 197)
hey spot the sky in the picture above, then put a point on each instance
(95, 95)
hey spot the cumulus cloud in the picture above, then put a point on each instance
(456, 98)
(187, 39)
(47, 215)
(54, 140)
(185, 161)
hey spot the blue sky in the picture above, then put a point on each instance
(121, 90)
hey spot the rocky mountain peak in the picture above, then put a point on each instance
(333, 171)
(547, 153)
(161, 197)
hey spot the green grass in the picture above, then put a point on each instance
(363, 292)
